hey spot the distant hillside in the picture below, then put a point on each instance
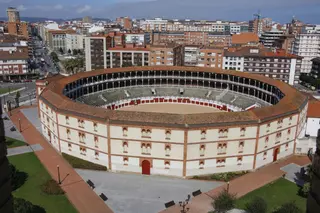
(41, 19)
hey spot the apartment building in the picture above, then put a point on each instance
(166, 55)
(57, 39)
(74, 41)
(274, 64)
(118, 39)
(95, 51)
(272, 38)
(18, 28)
(135, 38)
(168, 37)
(127, 56)
(315, 71)
(203, 56)
(13, 62)
(307, 45)
(195, 38)
(13, 14)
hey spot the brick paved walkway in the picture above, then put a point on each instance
(78, 192)
(242, 185)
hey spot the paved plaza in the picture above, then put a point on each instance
(32, 115)
(24, 149)
(132, 193)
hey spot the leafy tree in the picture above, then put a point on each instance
(290, 207)
(305, 189)
(223, 202)
(23, 206)
(54, 57)
(69, 51)
(257, 204)
(17, 98)
(73, 65)
(61, 50)
(74, 52)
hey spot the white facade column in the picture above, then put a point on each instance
(132, 58)
(292, 72)
(88, 54)
(111, 59)
(120, 58)
(142, 59)
(105, 53)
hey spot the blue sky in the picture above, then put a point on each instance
(279, 10)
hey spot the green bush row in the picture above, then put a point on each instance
(83, 164)
(221, 176)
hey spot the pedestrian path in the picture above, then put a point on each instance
(24, 149)
(8, 125)
(77, 190)
(242, 185)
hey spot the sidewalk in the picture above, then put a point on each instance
(24, 149)
(242, 185)
(77, 190)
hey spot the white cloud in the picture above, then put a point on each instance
(21, 8)
(58, 7)
(84, 8)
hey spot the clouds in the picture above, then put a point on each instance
(192, 9)
(21, 8)
(83, 9)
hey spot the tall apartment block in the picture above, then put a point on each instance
(307, 45)
(203, 56)
(166, 55)
(274, 64)
(13, 15)
(15, 26)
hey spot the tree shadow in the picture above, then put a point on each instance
(38, 209)
(18, 178)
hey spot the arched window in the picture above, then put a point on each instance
(264, 155)
(167, 150)
(203, 134)
(125, 161)
(167, 164)
(96, 141)
(143, 148)
(125, 147)
(96, 154)
(148, 149)
(125, 131)
(242, 132)
(68, 134)
(201, 164)
(168, 134)
(202, 150)
(241, 146)
(239, 160)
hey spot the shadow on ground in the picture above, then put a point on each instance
(18, 178)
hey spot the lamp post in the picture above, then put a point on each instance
(59, 180)
(20, 125)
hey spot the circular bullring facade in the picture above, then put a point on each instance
(176, 121)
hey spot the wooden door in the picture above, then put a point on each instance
(146, 167)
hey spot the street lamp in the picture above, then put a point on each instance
(20, 125)
(228, 184)
(59, 180)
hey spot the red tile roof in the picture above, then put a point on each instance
(292, 102)
(244, 38)
(314, 109)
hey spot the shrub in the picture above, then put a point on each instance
(290, 207)
(227, 176)
(305, 189)
(51, 187)
(23, 206)
(82, 164)
(258, 204)
(224, 202)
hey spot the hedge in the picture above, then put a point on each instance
(221, 176)
(83, 164)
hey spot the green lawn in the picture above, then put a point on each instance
(6, 90)
(275, 194)
(30, 190)
(11, 142)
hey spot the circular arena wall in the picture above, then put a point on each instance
(167, 143)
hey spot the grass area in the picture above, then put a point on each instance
(11, 142)
(83, 164)
(31, 189)
(275, 194)
(6, 90)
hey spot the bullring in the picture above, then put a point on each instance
(91, 115)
